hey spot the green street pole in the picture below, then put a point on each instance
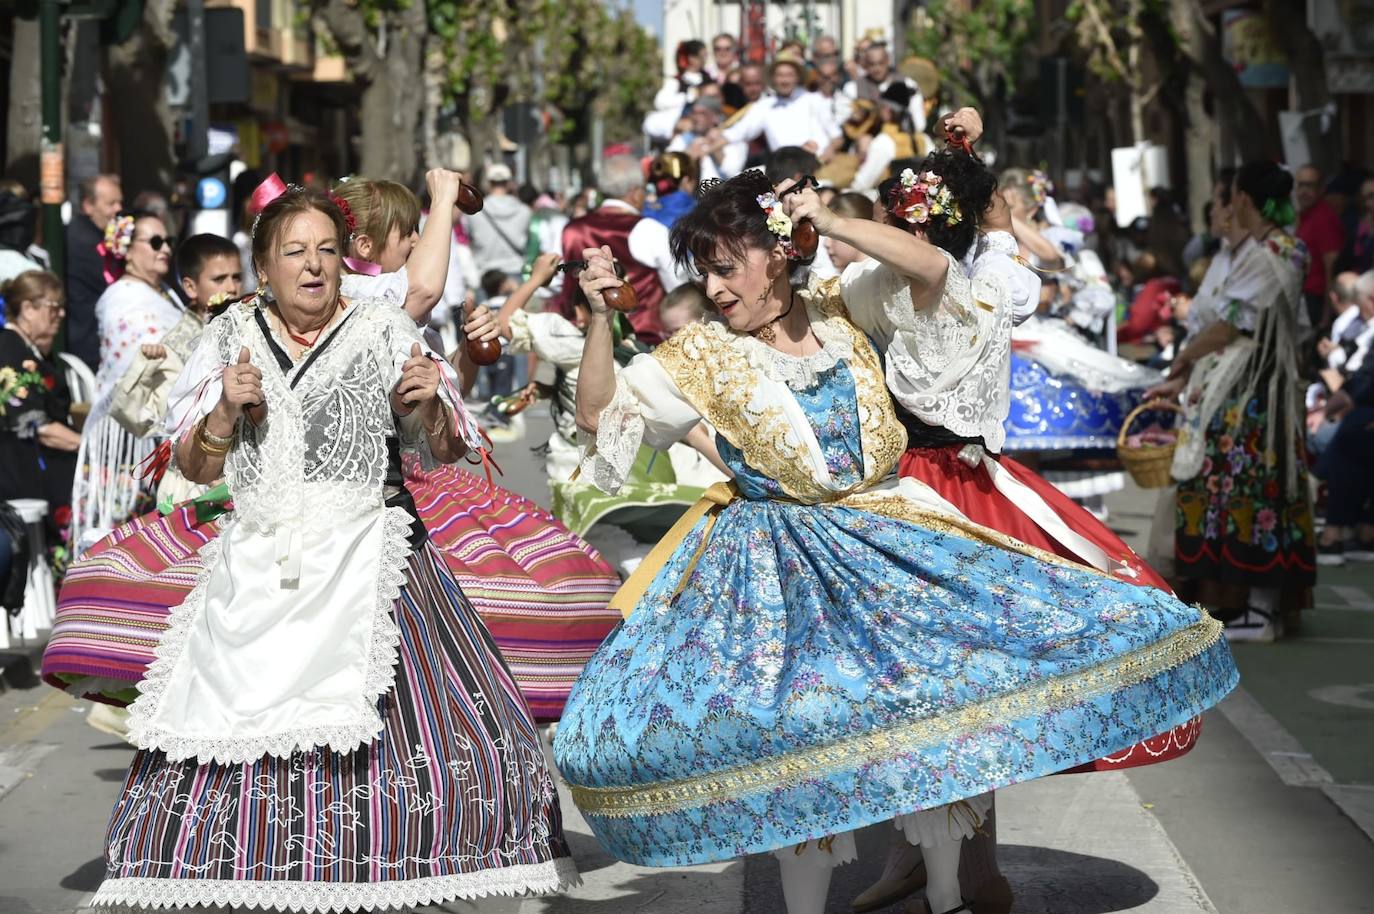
(53, 177)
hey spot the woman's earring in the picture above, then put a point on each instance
(265, 290)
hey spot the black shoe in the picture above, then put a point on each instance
(1331, 554)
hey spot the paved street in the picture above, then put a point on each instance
(1272, 813)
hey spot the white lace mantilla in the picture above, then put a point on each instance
(139, 894)
(321, 455)
(950, 364)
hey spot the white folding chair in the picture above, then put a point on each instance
(80, 378)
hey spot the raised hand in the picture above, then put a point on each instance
(419, 382)
(242, 384)
(965, 122)
(806, 204)
(599, 276)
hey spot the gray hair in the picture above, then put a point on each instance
(1346, 288)
(1365, 285)
(620, 174)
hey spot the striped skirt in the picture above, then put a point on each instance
(453, 800)
(541, 591)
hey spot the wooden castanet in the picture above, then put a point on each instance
(470, 201)
(621, 298)
(805, 238)
(483, 352)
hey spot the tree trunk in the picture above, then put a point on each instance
(24, 130)
(1307, 61)
(388, 65)
(1232, 106)
(1199, 134)
(135, 75)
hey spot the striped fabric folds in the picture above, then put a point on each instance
(112, 609)
(542, 591)
(453, 800)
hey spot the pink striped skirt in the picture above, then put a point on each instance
(541, 590)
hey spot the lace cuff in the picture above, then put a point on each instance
(619, 433)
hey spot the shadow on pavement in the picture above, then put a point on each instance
(1044, 881)
(87, 877)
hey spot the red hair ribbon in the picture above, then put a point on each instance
(270, 189)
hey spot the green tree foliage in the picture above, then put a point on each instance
(977, 44)
(576, 56)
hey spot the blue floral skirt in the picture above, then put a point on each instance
(824, 668)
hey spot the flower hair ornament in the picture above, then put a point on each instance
(350, 220)
(921, 199)
(779, 223)
(119, 234)
(1041, 187)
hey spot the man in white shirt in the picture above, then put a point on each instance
(877, 76)
(792, 116)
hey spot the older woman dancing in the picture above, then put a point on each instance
(327, 725)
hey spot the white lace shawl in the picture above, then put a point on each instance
(949, 364)
(321, 454)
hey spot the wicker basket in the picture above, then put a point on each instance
(1148, 464)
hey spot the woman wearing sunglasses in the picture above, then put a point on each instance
(137, 308)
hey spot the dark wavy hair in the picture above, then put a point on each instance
(972, 185)
(727, 216)
(276, 215)
(1271, 189)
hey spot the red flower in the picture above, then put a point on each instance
(1271, 489)
(49, 381)
(62, 516)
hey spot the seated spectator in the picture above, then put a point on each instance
(1150, 310)
(792, 116)
(877, 75)
(1344, 464)
(1341, 340)
(37, 441)
(18, 221)
(716, 157)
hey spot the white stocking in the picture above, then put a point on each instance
(942, 875)
(804, 885)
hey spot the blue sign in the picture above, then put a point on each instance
(211, 193)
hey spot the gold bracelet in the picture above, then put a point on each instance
(213, 439)
(206, 446)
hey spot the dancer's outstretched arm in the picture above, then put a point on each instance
(596, 376)
(907, 254)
